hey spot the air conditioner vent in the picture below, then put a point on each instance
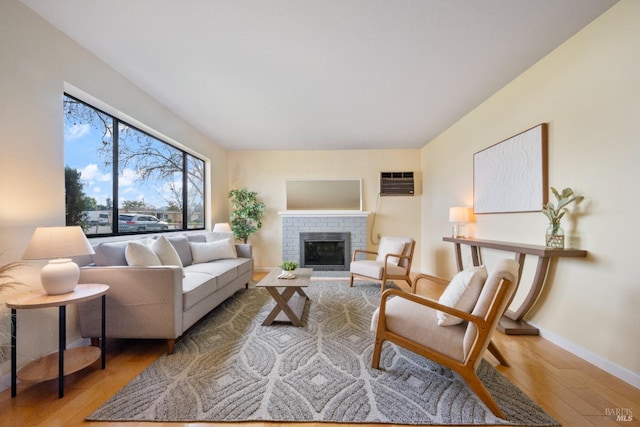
(396, 184)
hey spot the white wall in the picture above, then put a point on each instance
(588, 90)
(266, 172)
(36, 62)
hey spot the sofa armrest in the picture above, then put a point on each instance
(244, 250)
(142, 302)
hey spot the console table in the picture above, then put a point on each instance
(68, 360)
(512, 323)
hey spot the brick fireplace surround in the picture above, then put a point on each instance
(294, 223)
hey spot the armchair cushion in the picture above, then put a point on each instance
(390, 246)
(418, 323)
(462, 293)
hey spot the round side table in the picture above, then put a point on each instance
(69, 361)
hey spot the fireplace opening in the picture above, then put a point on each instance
(325, 251)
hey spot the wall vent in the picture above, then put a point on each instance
(396, 184)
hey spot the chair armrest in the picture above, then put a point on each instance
(428, 302)
(399, 256)
(362, 251)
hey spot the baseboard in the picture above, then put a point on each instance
(5, 380)
(606, 365)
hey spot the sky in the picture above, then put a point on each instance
(81, 152)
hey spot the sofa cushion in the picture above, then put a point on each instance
(196, 286)
(181, 245)
(462, 293)
(223, 271)
(139, 254)
(211, 251)
(196, 238)
(109, 253)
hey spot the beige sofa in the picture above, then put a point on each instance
(163, 301)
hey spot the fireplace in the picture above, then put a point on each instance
(325, 251)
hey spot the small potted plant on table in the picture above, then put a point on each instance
(554, 237)
(287, 269)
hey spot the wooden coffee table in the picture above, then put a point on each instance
(288, 294)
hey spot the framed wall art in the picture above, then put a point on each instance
(511, 176)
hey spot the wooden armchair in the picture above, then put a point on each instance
(393, 261)
(411, 321)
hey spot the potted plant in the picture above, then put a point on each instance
(554, 237)
(246, 213)
(6, 282)
(287, 269)
(288, 265)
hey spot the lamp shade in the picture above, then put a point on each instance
(222, 226)
(56, 243)
(459, 214)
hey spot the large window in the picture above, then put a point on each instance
(120, 179)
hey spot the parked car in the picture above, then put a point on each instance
(132, 222)
(96, 218)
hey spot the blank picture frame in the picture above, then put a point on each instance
(511, 176)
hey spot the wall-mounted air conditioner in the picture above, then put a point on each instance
(396, 184)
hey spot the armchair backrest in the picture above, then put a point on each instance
(407, 249)
(491, 305)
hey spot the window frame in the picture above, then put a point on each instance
(116, 121)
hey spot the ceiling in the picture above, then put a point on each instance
(320, 74)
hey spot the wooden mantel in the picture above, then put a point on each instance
(512, 323)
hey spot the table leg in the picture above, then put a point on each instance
(102, 344)
(282, 305)
(62, 344)
(14, 362)
(458, 252)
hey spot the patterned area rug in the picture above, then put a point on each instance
(230, 368)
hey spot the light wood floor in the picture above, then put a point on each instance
(571, 390)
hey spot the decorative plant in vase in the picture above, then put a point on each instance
(287, 269)
(246, 213)
(554, 237)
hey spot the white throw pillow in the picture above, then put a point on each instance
(390, 246)
(166, 252)
(462, 293)
(139, 254)
(211, 251)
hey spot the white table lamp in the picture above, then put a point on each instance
(58, 244)
(458, 216)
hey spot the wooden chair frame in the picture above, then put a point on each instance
(466, 368)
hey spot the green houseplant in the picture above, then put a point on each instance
(554, 237)
(246, 213)
(6, 282)
(288, 265)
